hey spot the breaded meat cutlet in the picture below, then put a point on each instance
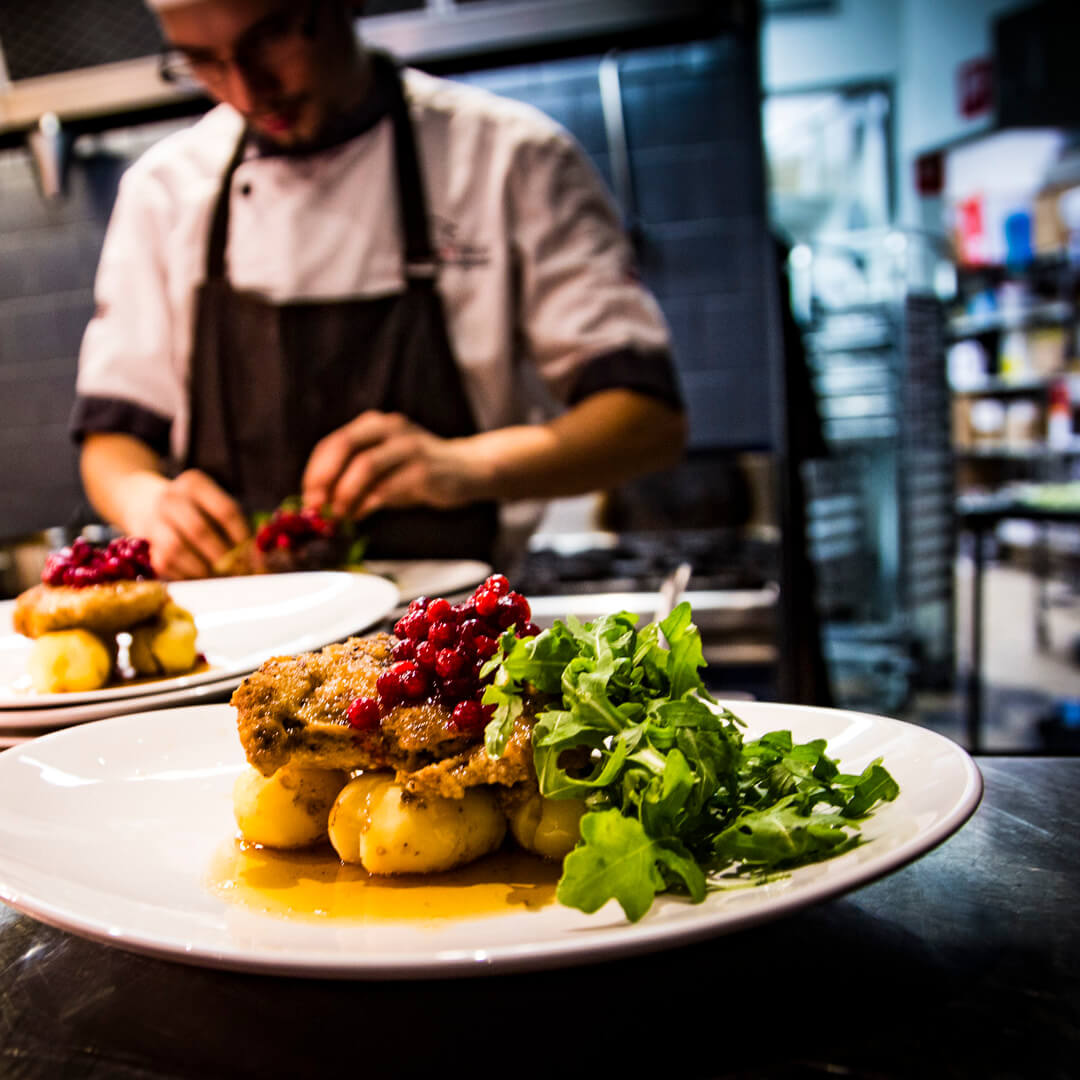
(293, 710)
(102, 609)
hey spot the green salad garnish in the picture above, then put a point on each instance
(675, 799)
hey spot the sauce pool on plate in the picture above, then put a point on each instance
(316, 885)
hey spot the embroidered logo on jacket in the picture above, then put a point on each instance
(451, 250)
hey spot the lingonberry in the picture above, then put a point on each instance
(411, 680)
(513, 609)
(484, 646)
(450, 662)
(486, 602)
(443, 635)
(427, 654)
(363, 713)
(438, 610)
(412, 625)
(405, 649)
(469, 716)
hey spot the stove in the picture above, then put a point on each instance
(732, 589)
(719, 559)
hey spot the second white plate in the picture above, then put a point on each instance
(241, 622)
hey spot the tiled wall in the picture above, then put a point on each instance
(693, 134)
(693, 129)
(48, 253)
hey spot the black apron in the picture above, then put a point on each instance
(268, 380)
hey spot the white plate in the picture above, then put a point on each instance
(241, 622)
(110, 829)
(429, 577)
(33, 721)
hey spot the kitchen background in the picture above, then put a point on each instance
(881, 179)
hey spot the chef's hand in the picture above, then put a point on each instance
(382, 460)
(190, 523)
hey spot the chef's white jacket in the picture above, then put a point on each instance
(535, 272)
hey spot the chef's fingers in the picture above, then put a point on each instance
(195, 532)
(368, 468)
(400, 486)
(174, 560)
(219, 508)
(334, 451)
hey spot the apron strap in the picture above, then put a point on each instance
(420, 263)
(219, 224)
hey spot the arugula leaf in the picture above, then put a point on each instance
(670, 788)
(619, 861)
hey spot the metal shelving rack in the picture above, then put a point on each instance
(880, 504)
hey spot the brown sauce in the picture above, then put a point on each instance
(126, 677)
(316, 885)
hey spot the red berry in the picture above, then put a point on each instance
(438, 610)
(513, 608)
(443, 635)
(389, 687)
(404, 650)
(412, 682)
(530, 629)
(363, 713)
(486, 603)
(484, 646)
(419, 604)
(497, 584)
(468, 716)
(426, 655)
(412, 625)
(459, 687)
(450, 662)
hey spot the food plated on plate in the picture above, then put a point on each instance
(101, 615)
(593, 744)
(294, 538)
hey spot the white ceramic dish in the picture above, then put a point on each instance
(429, 577)
(30, 722)
(109, 830)
(241, 622)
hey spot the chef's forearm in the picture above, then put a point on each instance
(599, 443)
(119, 472)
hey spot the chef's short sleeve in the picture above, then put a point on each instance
(126, 381)
(587, 321)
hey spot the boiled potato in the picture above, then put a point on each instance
(287, 810)
(373, 825)
(548, 827)
(70, 660)
(164, 645)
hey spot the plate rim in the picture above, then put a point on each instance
(53, 719)
(604, 942)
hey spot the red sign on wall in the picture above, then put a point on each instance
(975, 87)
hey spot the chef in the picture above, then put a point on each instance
(402, 298)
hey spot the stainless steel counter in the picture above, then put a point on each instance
(965, 963)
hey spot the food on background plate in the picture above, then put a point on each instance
(93, 599)
(591, 744)
(294, 538)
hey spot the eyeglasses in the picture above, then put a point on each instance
(271, 41)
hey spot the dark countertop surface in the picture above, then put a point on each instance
(965, 963)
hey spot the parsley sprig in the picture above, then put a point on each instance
(674, 796)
